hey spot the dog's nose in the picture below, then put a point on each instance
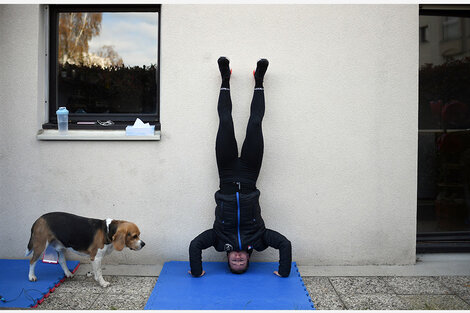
(142, 245)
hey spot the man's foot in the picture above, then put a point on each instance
(261, 68)
(224, 68)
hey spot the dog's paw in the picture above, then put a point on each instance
(104, 284)
(69, 275)
(32, 278)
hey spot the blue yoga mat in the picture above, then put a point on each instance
(219, 289)
(19, 292)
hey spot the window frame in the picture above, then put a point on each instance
(121, 120)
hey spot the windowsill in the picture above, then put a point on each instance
(53, 134)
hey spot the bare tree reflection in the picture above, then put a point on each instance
(99, 81)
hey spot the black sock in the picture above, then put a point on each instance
(261, 68)
(224, 69)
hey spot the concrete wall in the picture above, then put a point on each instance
(339, 172)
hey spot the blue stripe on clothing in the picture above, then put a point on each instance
(238, 211)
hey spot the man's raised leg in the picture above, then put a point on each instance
(225, 145)
(253, 146)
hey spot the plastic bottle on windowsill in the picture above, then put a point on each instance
(63, 120)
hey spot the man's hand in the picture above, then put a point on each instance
(203, 272)
(277, 273)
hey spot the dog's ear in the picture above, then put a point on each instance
(119, 239)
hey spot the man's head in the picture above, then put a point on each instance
(238, 261)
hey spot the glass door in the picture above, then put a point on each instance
(444, 129)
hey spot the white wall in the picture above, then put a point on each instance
(339, 172)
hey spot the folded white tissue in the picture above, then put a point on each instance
(140, 129)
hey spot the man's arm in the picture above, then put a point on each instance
(276, 240)
(201, 242)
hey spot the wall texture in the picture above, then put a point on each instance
(339, 172)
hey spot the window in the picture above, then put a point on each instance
(104, 64)
(422, 34)
(444, 132)
(451, 28)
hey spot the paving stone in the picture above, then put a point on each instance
(434, 302)
(120, 302)
(80, 286)
(360, 285)
(85, 284)
(322, 293)
(416, 285)
(132, 285)
(460, 285)
(456, 283)
(84, 293)
(465, 297)
(146, 280)
(69, 301)
(88, 278)
(373, 302)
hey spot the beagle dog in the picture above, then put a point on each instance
(85, 236)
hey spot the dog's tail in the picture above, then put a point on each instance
(29, 249)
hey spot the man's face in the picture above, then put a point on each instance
(238, 260)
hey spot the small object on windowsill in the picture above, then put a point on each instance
(140, 129)
(63, 120)
(105, 123)
(86, 123)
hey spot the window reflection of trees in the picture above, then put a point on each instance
(75, 32)
(99, 81)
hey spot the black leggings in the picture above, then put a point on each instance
(239, 173)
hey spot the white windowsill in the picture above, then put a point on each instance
(53, 134)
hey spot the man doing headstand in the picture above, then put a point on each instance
(238, 227)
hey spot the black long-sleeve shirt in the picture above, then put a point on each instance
(270, 238)
(238, 225)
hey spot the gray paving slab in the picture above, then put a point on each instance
(360, 285)
(83, 293)
(460, 285)
(437, 264)
(373, 302)
(69, 301)
(465, 297)
(76, 286)
(120, 302)
(123, 269)
(323, 294)
(434, 302)
(417, 286)
(126, 285)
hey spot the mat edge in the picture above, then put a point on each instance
(51, 290)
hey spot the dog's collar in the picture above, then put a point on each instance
(108, 222)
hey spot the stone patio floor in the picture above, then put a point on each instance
(327, 293)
